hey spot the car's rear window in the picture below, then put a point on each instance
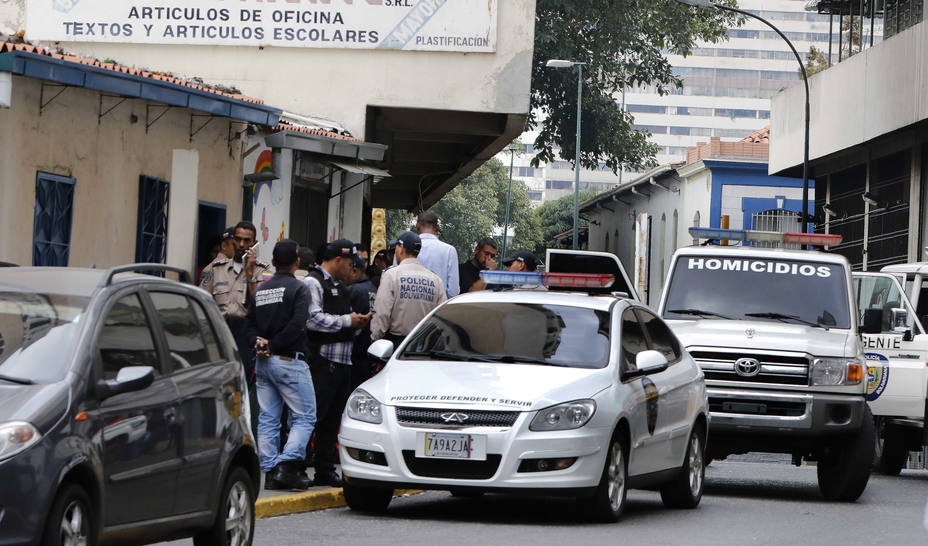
(519, 333)
(37, 335)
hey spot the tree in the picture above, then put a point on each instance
(476, 208)
(397, 222)
(622, 43)
(816, 62)
(558, 216)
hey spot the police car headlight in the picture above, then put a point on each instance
(836, 371)
(16, 437)
(364, 407)
(567, 416)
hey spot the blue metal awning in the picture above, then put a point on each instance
(74, 74)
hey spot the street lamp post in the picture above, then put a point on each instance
(805, 80)
(512, 156)
(558, 63)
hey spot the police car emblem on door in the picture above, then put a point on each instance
(750, 332)
(747, 367)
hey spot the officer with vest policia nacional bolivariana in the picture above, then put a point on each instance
(331, 329)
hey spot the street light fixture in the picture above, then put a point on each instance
(805, 217)
(560, 63)
(512, 156)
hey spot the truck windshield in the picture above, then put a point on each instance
(37, 335)
(747, 288)
(513, 333)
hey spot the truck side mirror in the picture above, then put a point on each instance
(873, 321)
(899, 320)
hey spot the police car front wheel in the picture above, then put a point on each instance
(367, 499)
(608, 501)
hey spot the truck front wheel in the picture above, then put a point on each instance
(891, 452)
(844, 466)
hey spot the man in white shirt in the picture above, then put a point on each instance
(441, 258)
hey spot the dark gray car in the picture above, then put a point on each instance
(123, 411)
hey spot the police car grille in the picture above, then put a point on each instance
(475, 418)
(449, 468)
(779, 369)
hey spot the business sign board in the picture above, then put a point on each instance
(415, 25)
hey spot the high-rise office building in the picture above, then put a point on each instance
(726, 92)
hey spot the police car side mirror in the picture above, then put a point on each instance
(646, 363)
(381, 350)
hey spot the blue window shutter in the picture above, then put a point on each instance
(54, 211)
(152, 230)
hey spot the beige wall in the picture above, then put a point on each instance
(106, 159)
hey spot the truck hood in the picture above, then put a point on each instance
(765, 336)
(523, 387)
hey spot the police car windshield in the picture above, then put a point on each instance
(513, 333)
(745, 288)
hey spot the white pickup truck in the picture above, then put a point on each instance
(891, 308)
(775, 332)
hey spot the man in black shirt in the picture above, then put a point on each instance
(484, 258)
(362, 292)
(276, 323)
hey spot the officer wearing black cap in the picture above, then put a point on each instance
(276, 328)
(407, 293)
(331, 328)
(522, 260)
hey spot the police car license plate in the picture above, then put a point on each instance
(451, 446)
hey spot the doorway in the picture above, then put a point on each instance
(211, 221)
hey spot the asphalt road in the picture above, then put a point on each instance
(744, 503)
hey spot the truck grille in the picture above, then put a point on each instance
(774, 368)
(449, 468)
(407, 416)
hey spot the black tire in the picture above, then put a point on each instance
(71, 518)
(608, 501)
(235, 515)
(685, 491)
(367, 499)
(844, 466)
(891, 451)
(467, 493)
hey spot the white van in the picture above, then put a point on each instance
(896, 348)
(775, 332)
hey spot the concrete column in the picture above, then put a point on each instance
(334, 225)
(353, 207)
(915, 201)
(182, 209)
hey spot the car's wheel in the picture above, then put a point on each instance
(235, 517)
(685, 491)
(367, 499)
(71, 519)
(891, 450)
(608, 501)
(467, 493)
(844, 466)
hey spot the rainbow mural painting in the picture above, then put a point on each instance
(262, 165)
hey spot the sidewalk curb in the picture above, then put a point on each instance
(308, 501)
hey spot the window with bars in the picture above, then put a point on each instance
(152, 230)
(54, 211)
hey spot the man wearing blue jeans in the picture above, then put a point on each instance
(275, 323)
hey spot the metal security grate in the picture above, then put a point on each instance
(781, 369)
(462, 417)
(448, 468)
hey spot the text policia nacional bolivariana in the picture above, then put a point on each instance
(201, 23)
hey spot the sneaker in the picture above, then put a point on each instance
(330, 477)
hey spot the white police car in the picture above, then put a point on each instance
(528, 391)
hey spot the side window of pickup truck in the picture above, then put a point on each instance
(877, 296)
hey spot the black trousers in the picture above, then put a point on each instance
(247, 353)
(332, 383)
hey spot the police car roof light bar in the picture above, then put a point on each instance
(717, 234)
(814, 239)
(510, 277)
(756, 236)
(578, 280)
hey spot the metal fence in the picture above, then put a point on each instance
(778, 220)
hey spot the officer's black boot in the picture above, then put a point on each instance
(292, 475)
(271, 483)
